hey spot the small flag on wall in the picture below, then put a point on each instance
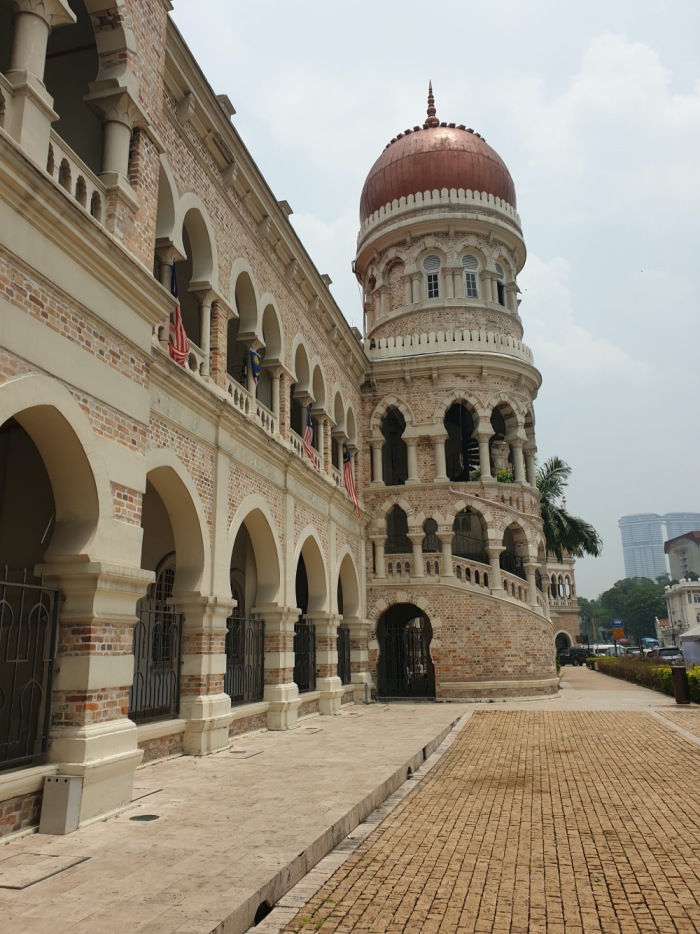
(349, 479)
(255, 366)
(309, 437)
(178, 342)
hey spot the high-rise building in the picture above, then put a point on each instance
(643, 537)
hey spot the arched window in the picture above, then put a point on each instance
(471, 267)
(394, 451)
(467, 539)
(461, 449)
(431, 267)
(430, 541)
(397, 540)
(500, 284)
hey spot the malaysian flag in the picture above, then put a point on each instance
(349, 479)
(178, 342)
(255, 366)
(309, 437)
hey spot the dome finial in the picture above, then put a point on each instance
(432, 119)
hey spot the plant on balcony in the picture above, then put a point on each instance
(504, 476)
(562, 531)
(475, 474)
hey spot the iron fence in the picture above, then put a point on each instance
(28, 629)
(344, 653)
(305, 655)
(244, 680)
(512, 563)
(155, 691)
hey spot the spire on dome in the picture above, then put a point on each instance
(432, 119)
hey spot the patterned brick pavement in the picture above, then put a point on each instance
(533, 821)
(688, 718)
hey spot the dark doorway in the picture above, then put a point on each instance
(405, 667)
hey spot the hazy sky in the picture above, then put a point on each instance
(595, 108)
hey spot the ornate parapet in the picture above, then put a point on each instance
(457, 341)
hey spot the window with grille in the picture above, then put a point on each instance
(471, 266)
(431, 266)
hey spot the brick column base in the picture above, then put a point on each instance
(327, 681)
(359, 658)
(281, 692)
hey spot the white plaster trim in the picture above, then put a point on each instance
(24, 781)
(498, 685)
(148, 731)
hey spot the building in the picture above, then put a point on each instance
(183, 560)
(683, 593)
(643, 538)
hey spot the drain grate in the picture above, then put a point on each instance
(25, 869)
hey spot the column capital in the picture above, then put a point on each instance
(495, 551)
(53, 12)
(115, 104)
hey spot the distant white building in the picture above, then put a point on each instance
(683, 593)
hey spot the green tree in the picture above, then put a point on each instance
(637, 601)
(589, 614)
(562, 531)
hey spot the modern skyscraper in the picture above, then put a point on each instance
(643, 537)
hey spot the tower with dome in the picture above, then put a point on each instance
(455, 598)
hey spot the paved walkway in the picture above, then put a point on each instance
(535, 816)
(560, 820)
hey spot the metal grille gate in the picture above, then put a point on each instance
(28, 627)
(155, 691)
(344, 672)
(305, 655)
(406, 668)
(244, 680)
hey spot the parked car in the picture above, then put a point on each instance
(573, 656)
(633, 652)
(669, 655)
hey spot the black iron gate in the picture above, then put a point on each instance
(405, 666)
(305, 655)
(344, 671)
(244, 680)
(28, 625)
(155, 690)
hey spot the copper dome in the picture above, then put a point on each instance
(434, 156)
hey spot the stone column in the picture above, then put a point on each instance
(283, 416)
(530, 472)
(484, 454)
(30, 112)
(359, 656)
(416, 539)
(328, 682)
(487, 282)
(516, 446)
(415, 288)
(167, 256)
(377, 468)
(205, 302)
(494, 553)
(203, 702)
(326, 444)
(407, 291)
(449, 284)
(276, 375)
(379, 569)
(412, 452)
(281, 692)
(440, 462)
(219, 344)
(530, 568)
(91, 736)
(445, 539)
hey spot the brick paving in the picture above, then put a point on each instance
(688, 718)
(533, 820)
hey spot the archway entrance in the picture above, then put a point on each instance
(405, 668)
(562, 641)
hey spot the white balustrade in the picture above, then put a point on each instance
(71, 173)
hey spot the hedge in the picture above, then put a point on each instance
(648, 674)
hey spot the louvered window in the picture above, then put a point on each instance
(431, 265)
(471, 265)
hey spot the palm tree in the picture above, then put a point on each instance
(562, 531)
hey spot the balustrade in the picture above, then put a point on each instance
(71, 173)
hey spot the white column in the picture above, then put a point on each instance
(412, 452)
(440, 463)
(518, 465)
(205, 330)
(494, 553)
(446, 544)
(415, 288)
(484, 456)
(379, 570)
(530, 471)
(377, 471)
(416, 539)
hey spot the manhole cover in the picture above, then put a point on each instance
(145, 817)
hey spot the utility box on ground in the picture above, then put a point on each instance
(60, 808)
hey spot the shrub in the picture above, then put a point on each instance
(504, 476)
(646, 674)
(694, 684)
